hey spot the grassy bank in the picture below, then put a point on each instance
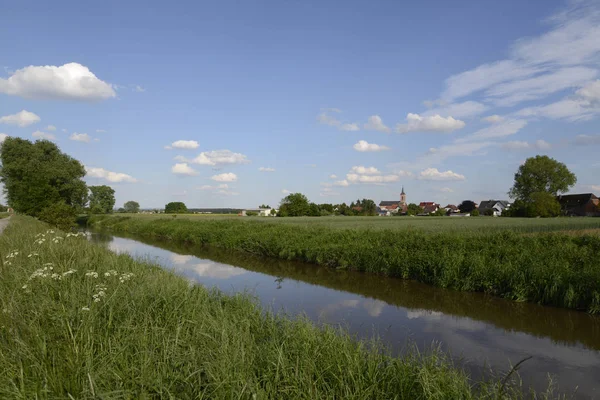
(78, 321)
(552, 269)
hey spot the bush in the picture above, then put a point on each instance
(475, 213)
(489, 212)
(251, 213)
(60, 215)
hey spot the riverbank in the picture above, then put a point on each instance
(555, 269)
(79, 321)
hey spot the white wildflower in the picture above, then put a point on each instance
(125, 277)
(91, 274)
(24, 287)
(56, 277)
(96, 299)
(85, 309)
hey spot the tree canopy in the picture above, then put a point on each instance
(132, 207)
(294, 205)
(176, 207)
(102, 199)
(38, 175)
(467, 206)
(541, 174)
(413, 209)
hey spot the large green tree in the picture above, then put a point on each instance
(176, 207)
(413, 209)
(467, 206)
(132, 207)
(102, 199)
(541, 174)
(38, 175)
(294, 205)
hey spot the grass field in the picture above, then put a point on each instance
(428, 224)
(79, 321)
(553, 269)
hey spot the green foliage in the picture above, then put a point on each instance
(555, 269)
(251, 213)
(153, 335)
(176, 207)
(313, 210)
(467, 206)
(294, 205)
(38, 175)
(121, 210)
(264, 206)
(475, 213)
(414, 209)
(102, 199)
(3, 208)
(541, 174)
(489, 212)
(439, 213)
(59, 215)
(132, 207)
(543, 204)
(273, 212)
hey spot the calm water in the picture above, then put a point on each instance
(477, 329)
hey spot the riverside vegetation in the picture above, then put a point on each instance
(79, 321)
(558, 269)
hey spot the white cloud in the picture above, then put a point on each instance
(139, 89)
(226, 177)
(50, 128)
(71, 81)
(586, 140)
(217, 158)
(97, 131)
(326, 119)
(434, 123)
(80, 137)
(376, 124)
(342, 183)
(436, 155)
(285, 191)
(43, 135)
(328, 192)
(266, 169)
(3, 137)
(183, 144)
(591, 91)
(518, 145)
(183, 169)
(365, 170)
(350, 127)
(333, 176)
(376, 179)
(113, 177)
(363, 146)
(501, 129)
(446, 190)
(432, 174)
(458, 110)
(22, 118)
(493, 119)
(219, 186)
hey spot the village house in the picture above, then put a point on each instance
(451, 208)
(497, 207)
(429, 207)
(583, 205)
(261, 212)
(394, 206)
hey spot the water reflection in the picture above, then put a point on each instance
(480, 328)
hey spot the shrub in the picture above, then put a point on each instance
(60, 215)
(489, 212)
(475, 213)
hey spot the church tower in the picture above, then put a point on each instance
(403, 196)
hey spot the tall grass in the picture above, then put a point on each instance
(553, 269)
(81, 322)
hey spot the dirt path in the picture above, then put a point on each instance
(4, 223)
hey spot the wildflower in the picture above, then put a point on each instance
(125, 277)
(91, 274)
(85, 309)
(112, 272)
(96, 299)
(24, 287)
(56, 277)
(69, 272)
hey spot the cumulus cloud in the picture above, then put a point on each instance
(50, 128)
(113, 177)
(3, 137)
(333, 176)
(376, 179)
(342, 183)
(217, 158)
(364, 170)
(266, 169)
(364, 146)
(71, 81)
(183, 169)
(433, 123)
(501, 129)
(432, 174)
(285, 191)
(80, 137)
(226, 177)
(375, 123)
(43, 135)
(493, 119)
(518, 145)
(183, 144)
(326, 119)
(350, 127)
(22, 118)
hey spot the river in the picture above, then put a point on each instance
(479, 331)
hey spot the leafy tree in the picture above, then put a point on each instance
(294, 205)
(132, 207)
(467, 206)
(439, 213)
(38, 175)
(121, 210)
(60, 215)
(313, 210)
(541, 174)
(489, 212)
(102, 199)
(413, 209)
(273, 212)
(176, 207)
(543, 204)
(328, 208)
(368, 207)
(264, 206)
(3, 208)
(475, 213)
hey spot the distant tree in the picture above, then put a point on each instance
(102, 199)
(121, 210)
(176, 207)
(264, 206)
(368, 207)
(294, 205)
(413, 209)
(439, 213)
(541, 174)
(273, 212)
(3, 208)
(38, 175)
(313, 210)
(251, 213)
(132, 207)
(328, 208)
(543, 204)
(467, 206)
(343, 209)
(489, 212)
(475, 213)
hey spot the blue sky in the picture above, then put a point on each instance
(338, 100)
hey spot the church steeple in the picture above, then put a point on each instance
(402, 190)
(402, 196)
